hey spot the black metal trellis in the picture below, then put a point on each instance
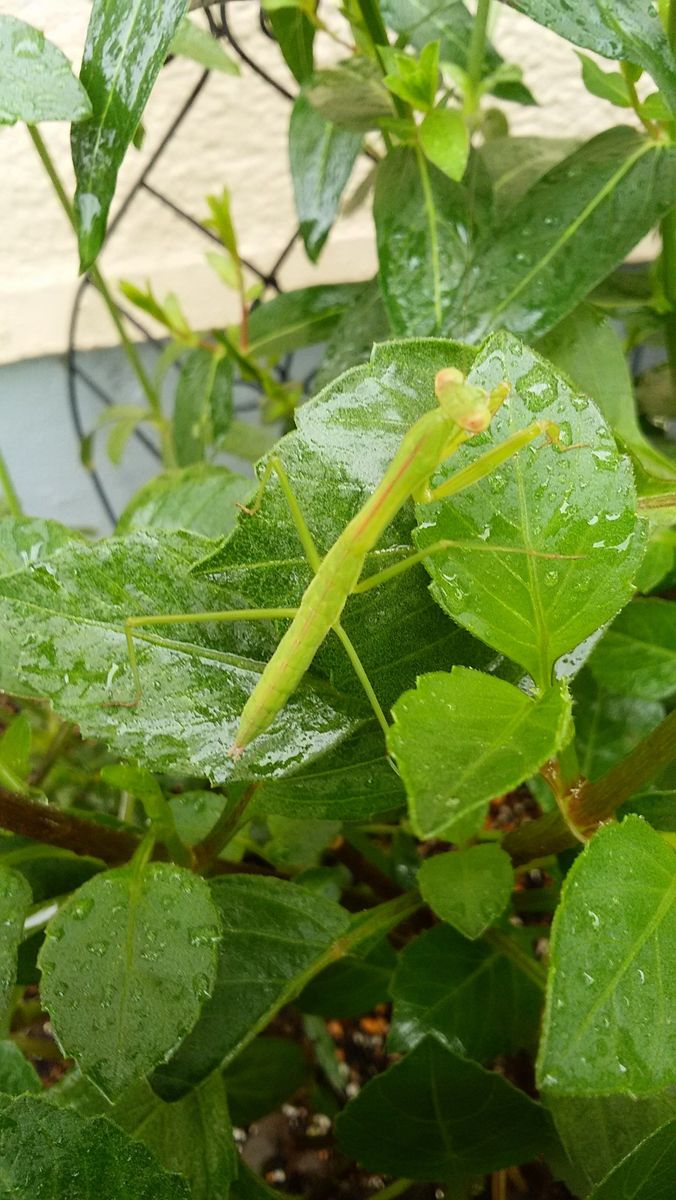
(78, 376)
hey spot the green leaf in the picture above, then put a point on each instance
(516, 163)
(645, 1174)
(351, 95)
(138, 946)
(25, 540)
(352, 986)
(15, 899)
(598, 1131)
(265, 1074)
(463, 738)
(296, 843)
(414, 80)
(125, 47)
(321, 158)
(578, 503)
(203, 404)
(249, 1186)
(446, 1116)
(471, 993)
(607, 1026)
(608, 726)
(47, 870)
(15, 745)
(586, 346)
(469, 889)
(350, 342)
(16, 1073)
(353, 782)
(202, 498)
(273, 932)
(192, 1137)
(421, 231)
(621, 30)
(194, 42)
(607, 85)
(53, 1153)
(566, 234)
(36, 81)
(444, 138)
(299, 318)
(194, 686)
(295, 34)
(637, 655)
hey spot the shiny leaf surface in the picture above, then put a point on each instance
(272, 933)
(126, 45)
(138, 945)
(202, 498)
(607, 1026)
(579, 503)
(463, 738)
(565, 235)
(53, 1153)
(36, 81)
(15, 898)
(321, 158)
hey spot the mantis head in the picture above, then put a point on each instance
(471, 407)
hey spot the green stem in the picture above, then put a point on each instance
(109, 301)
(395, 1189)
(649, 126)
(224, 829)
(476, 54)
(8, 489)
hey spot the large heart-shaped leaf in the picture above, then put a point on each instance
(579, 504)
(137, 947)
(36, 82)
(608, 1025)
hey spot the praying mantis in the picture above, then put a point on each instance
(463, 410)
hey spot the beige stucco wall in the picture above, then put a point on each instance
(234, 136)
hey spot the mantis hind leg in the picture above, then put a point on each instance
(360, 672)
(233, 614)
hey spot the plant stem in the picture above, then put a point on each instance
(649, 126)
(224, 829)
(395, 1189)
(47, 824)
(99, 282)
(476, 54)
(9, 491)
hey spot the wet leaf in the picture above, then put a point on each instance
(565, 235)
(362, 324)
(126, 45)
(295, 34)
(16, 1073)
(202, 498)
(299, 318)
(472, 994)
(422, 242)
(203, 404)
(36, 81)
(607, 1026)
(647, 1173)
(621, 30)
(15, 898)
(447, 1116)
(321, 158)
(598, 1131)
(468, 889)
(516, 163)
(578, 503)
(136, 947)
(273, 932)
(463, 738)
(637, 655)
(53, 1153)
